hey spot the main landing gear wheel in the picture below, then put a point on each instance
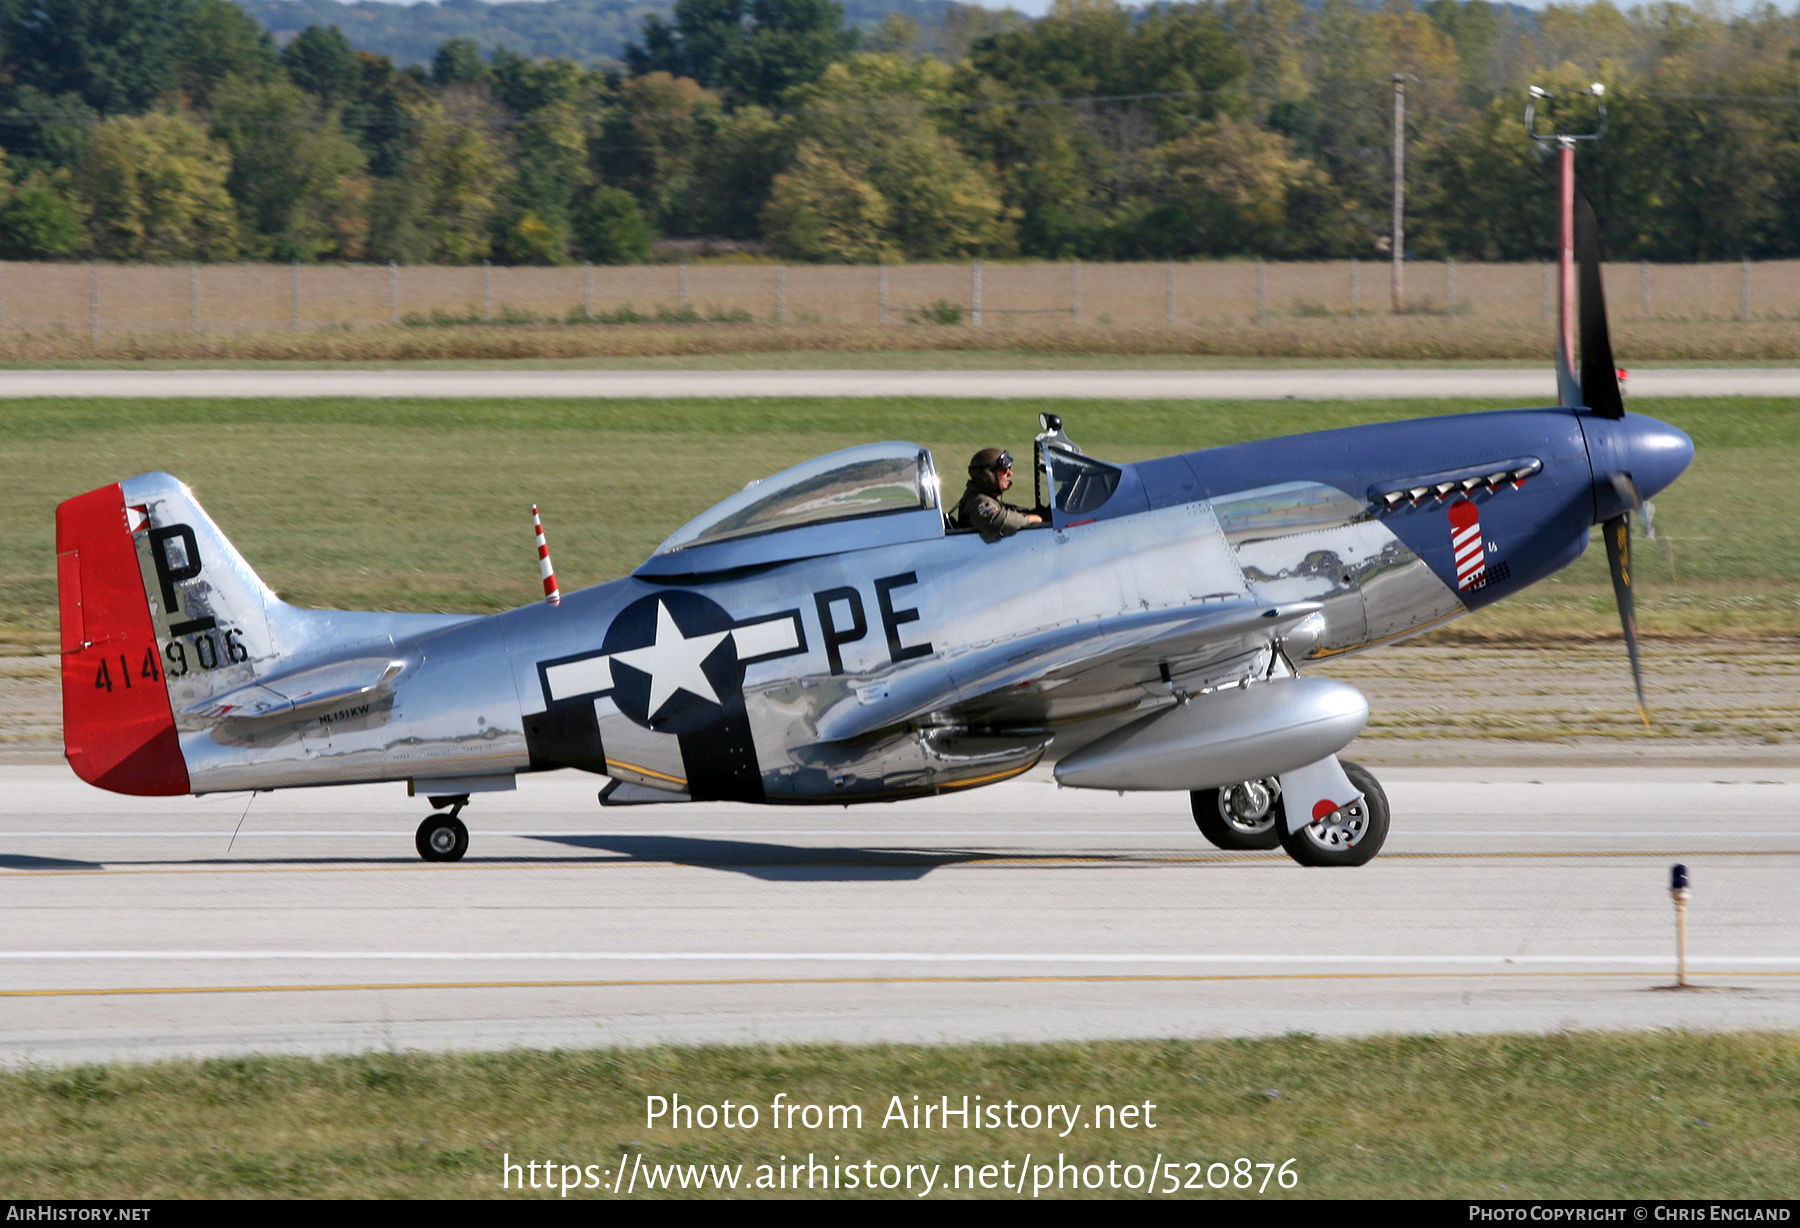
(1246, 815)
(1350, 836)
(442, 837)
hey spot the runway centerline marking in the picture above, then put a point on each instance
(877, 957)
(847, 980)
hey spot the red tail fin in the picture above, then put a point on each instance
(118, 727)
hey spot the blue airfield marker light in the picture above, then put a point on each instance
(1680, 893)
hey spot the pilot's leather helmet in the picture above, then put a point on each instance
(986, 466)
(990, 460)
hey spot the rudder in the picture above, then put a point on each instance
(118, 726)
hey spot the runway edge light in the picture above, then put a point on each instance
(1680, 893)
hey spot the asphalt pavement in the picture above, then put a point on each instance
(1507, 899)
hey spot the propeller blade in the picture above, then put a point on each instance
(1618, 559)
(1626, 489)
(1599, 374)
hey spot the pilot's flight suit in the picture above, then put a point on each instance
(980, 510)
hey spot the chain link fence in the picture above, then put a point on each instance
(205, 300)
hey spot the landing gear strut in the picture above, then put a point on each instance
(1246, 815)
(442, 837)
(1350, 836)
(1251, 815)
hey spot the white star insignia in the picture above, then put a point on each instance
(673, 662)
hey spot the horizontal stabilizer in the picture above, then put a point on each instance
(912, 692)
(285, 696)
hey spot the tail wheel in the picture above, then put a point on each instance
(1350, 836)
(442, 837)
(1246, 815)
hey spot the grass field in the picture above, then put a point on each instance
(1563, 1116)
(424, 504)
(1422, 338)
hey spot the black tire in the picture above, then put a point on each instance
(1218, 816)
(442, 837)
(1348, 837)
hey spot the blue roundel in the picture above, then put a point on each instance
(675, 666)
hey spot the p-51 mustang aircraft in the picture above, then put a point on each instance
(827, 636)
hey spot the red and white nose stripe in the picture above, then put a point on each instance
(1466, 544)
(544, 568)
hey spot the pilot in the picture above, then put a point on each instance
(990, 476)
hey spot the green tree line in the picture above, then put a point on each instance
(587, 31)
(180, 130)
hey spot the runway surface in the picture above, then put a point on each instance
(1508, 899)
(1525, 386)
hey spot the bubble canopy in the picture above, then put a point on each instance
(872, 480)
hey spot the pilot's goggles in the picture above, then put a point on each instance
(1002, 463)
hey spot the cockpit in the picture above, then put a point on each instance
(875, 479)
(1079, 485)
(874, 495)
(877, 494)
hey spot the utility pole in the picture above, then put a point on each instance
(1398, 240)
(1564, 144)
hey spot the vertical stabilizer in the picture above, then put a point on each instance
(159, 612)
(210, 611)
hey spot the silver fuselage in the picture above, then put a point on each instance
(822, 635)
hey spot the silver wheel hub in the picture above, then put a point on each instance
(442, 839)
(1342, 828)
(1248, 806)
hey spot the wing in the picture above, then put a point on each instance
(1063, 672)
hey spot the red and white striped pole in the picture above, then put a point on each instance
(1564, 144)
(551, 594)
(1565, 250)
